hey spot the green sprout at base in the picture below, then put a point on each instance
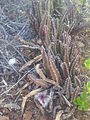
(88, 87)
(81, 101)
(87, 63)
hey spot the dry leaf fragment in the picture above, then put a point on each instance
(75, 93)
(67, 102)
(52, 82)
(66, 54)
(77, 82)
(54, 29)
(35, 60)
(45, 58)
(38, 82)
(66, 38)
(58, 116)
(43, 22)
(65, 70)
(39, 71)
(20, 91)
(68, 86)
(47, 38)
(41, 82)
(34, 92)
(54, 71)
(73, 63)
(68, 115)
(41, 74)
(39, 106)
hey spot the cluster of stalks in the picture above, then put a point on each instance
(68, 15)
(58, 72)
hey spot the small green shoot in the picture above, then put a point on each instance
(88, 87)
(81, 101)
(81, 2)
(87, 63)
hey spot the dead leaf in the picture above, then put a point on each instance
(75, 93)
(65, 69)
(39, 106)
(41, 74)
(54, 29)
(52, 82)
(54, 71)
(58, 116)
(39, 71)
(73, 63)
(39, 82)
(43, 22)
(20, 91)
(66, 54)
(45, 58)
(34, 60)
(34, 92)
(68, 115)
(47, 37)
(68, 87)
(77, 81)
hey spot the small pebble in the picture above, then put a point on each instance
(12, 61)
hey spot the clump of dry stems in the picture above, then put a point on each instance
(58, 72)
(57, 76)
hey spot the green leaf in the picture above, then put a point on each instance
(77, 101)
(84, 96)
(88, 87)
(81, 101)
(81, 2)
(85, 105)
(87, 63)
(80, 108)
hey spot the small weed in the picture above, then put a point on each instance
(87, 63)
(88, 87)
(81, 2)
(81, 101)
